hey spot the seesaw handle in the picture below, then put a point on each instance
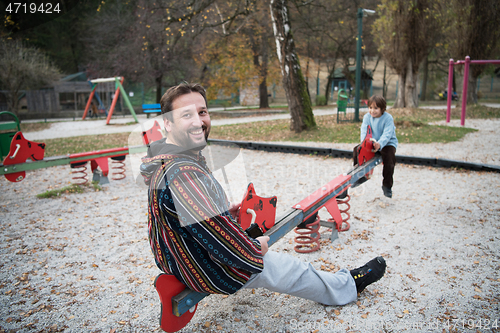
(18, 146)
(254, 216)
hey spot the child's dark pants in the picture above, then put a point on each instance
(388, 158)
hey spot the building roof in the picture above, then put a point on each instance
(80, 76)
(366, 74)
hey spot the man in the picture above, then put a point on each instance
(192, 228)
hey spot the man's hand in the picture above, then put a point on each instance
(263, 244)
(234, 209)
(376, 146)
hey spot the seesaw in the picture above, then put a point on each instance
(257, 217)
(27, 155)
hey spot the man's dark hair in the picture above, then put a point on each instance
(182, 89)
(379, 102)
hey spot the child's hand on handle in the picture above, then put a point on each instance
(263, 244)
(376, 146)
(234, 209)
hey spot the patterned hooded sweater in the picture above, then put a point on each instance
(191, 233)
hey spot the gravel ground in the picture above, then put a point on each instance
(82, 263)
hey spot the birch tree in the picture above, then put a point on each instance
(294, 84)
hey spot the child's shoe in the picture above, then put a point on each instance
(387, 191)
(371, 272)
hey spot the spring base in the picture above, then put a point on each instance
(79, 173)
(308, 239)
(118, 167)
(344, 207)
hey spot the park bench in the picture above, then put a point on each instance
(7, 131)
(151, 108)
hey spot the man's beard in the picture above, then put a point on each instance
(189, 144)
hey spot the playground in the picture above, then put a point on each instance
(81, 261)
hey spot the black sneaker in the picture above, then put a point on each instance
(387, 191)
(371, 272)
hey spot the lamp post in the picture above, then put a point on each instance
(361, 11)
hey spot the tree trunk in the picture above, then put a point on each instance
(329, 83)
(472, 90)
(411, 98)
(384, 84)
(425, 69)
(298, 99)
(328, 88)
(158, 88)
(407, 92)
(263, 95)
(454, 81)
(400, 98)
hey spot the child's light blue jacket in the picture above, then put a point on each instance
(383, 129)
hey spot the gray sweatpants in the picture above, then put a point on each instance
(286, 274)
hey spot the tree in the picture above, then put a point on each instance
(475, 33)
(239, 56)
(157, 42)
(405, 32)
(228, 62)
(58, 31)
(22, 67)
(326, 31)
(294, 84)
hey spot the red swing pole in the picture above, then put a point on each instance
(89, 101)
(115, 99)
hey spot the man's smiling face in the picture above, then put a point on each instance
(190, 125)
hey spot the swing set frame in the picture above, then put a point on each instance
(119, 87)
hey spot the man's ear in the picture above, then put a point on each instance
(168, 125)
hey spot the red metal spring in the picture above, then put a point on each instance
(118, 167)
(79, 172)
(306, 242)
(344, 213)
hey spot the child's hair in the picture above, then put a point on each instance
(379, 101)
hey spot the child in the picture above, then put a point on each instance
(384, 132)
